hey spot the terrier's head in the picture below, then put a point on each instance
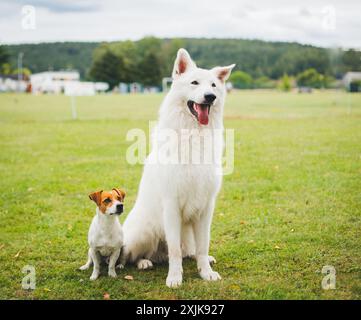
(109, 202)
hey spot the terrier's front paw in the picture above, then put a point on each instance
(174, 280)
(144, 264)
(94, 276)
(210, 275)
(112, 273)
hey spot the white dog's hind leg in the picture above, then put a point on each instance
(144, 264)
(202, 235)
(161, 254)
(172, 227)
(88, 263)
(188, 242)
(189, 246)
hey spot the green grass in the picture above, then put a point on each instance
(292, 205)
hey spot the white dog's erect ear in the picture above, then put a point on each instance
(223, 73)
(182, 63)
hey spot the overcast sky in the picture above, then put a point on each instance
(318, 22)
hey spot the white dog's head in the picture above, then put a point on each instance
(200, 90)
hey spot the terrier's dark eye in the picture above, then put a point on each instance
(107, 200)
(195, 82)
(213, 85)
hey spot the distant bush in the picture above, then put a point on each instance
(310, 78)
(264, 83)
(285, 83)
(241, 80)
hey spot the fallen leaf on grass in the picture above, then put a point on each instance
(17, 255)
(106, 296)
(47, 289)
(243, 222)
(2, 246)
(128, 277)
(277, 247)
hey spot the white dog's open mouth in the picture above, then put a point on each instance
(200, 111)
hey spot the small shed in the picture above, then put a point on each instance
(352, 81)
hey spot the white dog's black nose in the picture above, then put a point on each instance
(209, 97)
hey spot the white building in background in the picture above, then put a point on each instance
(12, 84)
(52, 81)
(67, 82)
(350, 77)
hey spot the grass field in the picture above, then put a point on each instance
(292, 205)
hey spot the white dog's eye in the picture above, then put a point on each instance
(195, 82)
(213, 85)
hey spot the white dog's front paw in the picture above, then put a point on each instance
(94, 276)
(112, 273)
(144, 264)
(174, 280)
(212, 260)
(210, 275)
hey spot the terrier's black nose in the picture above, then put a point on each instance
(119, 208)
(209, 97)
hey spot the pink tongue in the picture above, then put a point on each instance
(202, 113)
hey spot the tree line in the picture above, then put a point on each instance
(258, 63)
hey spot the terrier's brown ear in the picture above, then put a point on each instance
(96, 197)
(120, 192)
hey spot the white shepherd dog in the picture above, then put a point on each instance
(172, 216)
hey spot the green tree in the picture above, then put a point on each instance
(4, 56)
(241, 80)
(352, 60)
(310, 78)
(169, 53)
(150, 71)
(285, 83)
(5, 68)
(108, 68)
(25, 71)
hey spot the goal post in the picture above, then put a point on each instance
(165, 82)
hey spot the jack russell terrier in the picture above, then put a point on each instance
(105, 235)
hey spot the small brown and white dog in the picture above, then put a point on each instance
(105, 235)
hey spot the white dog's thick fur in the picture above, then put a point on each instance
(172, 215)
